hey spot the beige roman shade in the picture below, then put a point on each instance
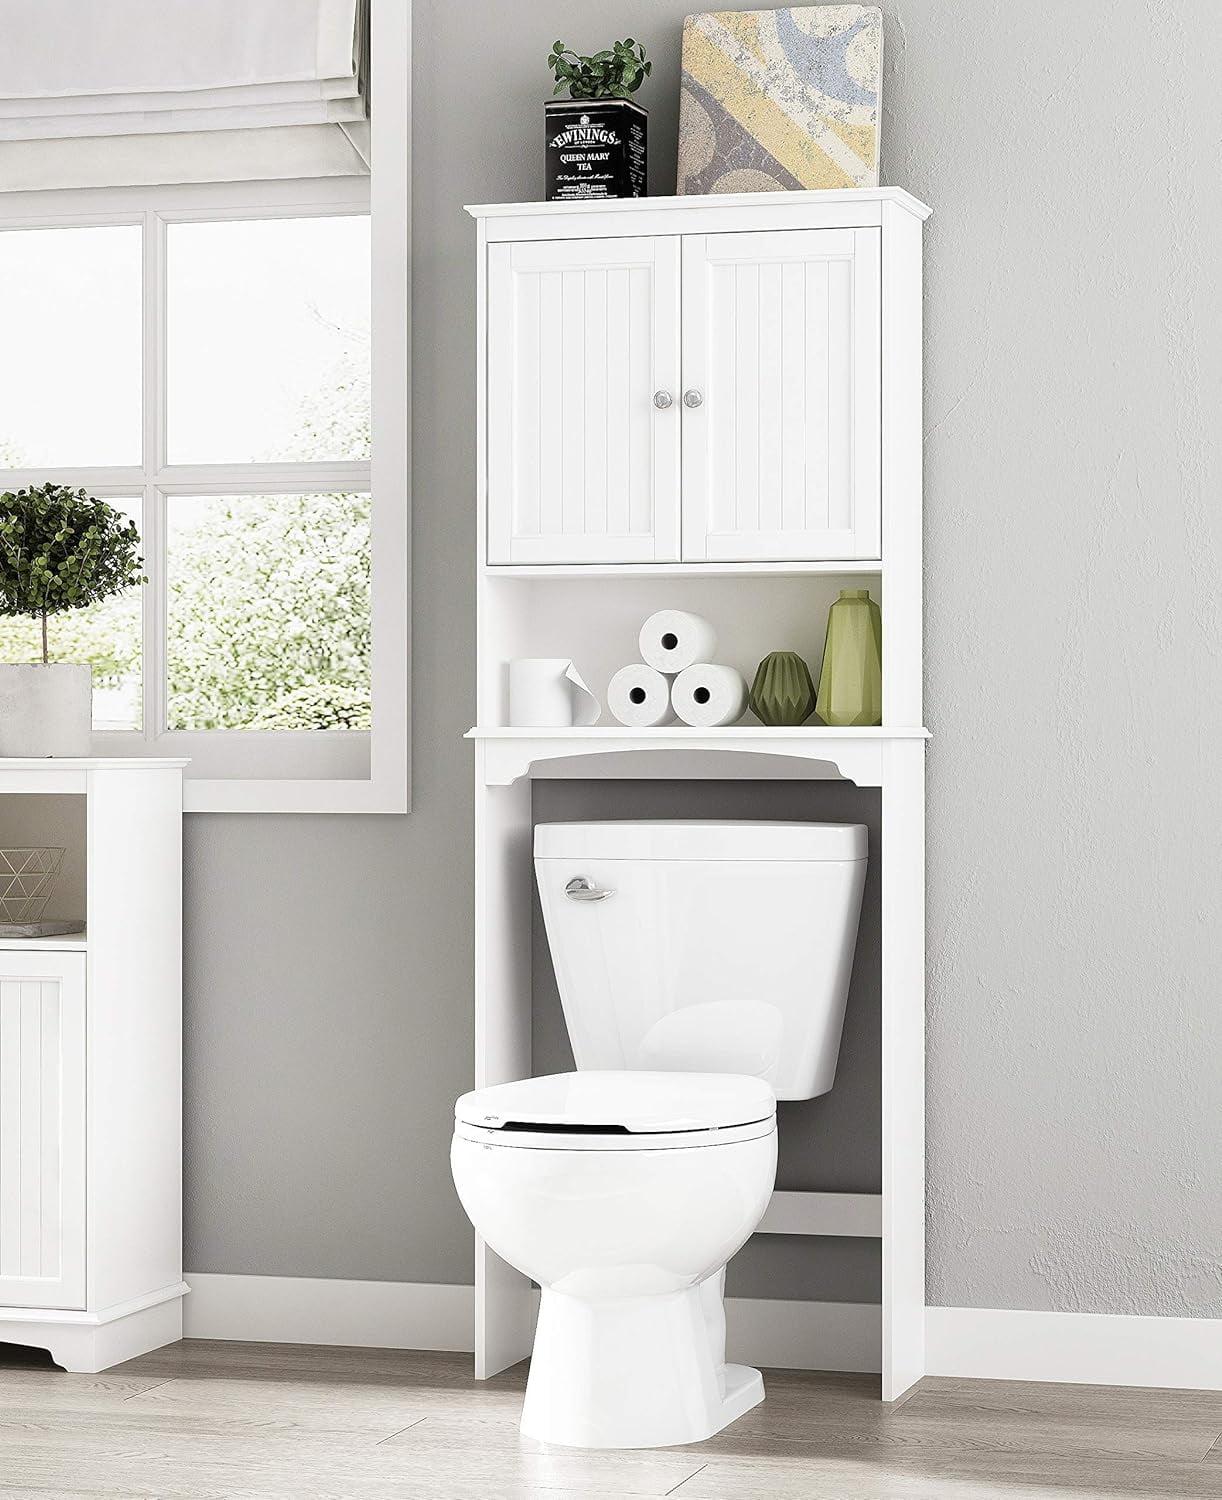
(136, 67)
(123, 92)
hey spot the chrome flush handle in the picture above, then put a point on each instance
(581, 888)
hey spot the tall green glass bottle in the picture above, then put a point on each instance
(851, 678)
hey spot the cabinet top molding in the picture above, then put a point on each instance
(695, 202)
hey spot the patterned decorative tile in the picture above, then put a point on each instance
(780, 99)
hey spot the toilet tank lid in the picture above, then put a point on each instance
(620, 1102)
(700, 839)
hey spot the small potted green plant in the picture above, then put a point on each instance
(596, 138)
(59, 550)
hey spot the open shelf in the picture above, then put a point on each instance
(594, 616)
(37, 812)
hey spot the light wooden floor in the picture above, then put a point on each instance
(209, 1419)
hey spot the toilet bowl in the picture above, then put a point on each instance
(623, 1195)
(703, 969)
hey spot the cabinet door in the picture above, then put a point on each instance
(781, 374)
(582, 465)
(42, 1130)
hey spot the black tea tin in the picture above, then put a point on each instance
(595, 148)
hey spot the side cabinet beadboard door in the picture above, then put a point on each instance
(582, 466)
(781, 356)
(42, 1130)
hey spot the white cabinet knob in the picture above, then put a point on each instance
(692, 399)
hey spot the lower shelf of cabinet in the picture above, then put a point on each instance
(681, 753)
(759, 568)
(70, 942)
(670, 734)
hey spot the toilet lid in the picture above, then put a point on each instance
(611, 1103)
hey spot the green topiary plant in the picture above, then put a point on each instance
(613, 74)
(60, 549)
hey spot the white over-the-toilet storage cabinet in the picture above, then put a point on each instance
(91, 1067)
(681, 396)
(710, 404)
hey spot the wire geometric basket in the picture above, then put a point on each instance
(27, 880)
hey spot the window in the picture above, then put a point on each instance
(70, 307)
(268, 340)
(202, 358)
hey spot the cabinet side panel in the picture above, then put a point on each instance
(903, 1066)
(504, 1309)
(901, 467)
(135, 1032)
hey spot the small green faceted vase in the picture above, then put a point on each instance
(851, 678)
(782, 692)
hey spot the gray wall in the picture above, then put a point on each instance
(1073, 557)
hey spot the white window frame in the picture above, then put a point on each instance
(280, 771)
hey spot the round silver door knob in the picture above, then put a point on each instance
(692, 399)
(663, 399)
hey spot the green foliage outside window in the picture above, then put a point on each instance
(268, 597)
(268, 610)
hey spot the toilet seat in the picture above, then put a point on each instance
(618, 1111)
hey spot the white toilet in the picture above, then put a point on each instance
(703, 969)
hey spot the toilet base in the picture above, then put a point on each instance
(642, 1372)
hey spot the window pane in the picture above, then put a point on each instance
(269, 340)
(268, 620)
(106, 636)
(70, 335)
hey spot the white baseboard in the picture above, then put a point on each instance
(411, 1315)
(970, 1342)
(1089, 1348)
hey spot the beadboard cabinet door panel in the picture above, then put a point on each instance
(781, 380)
(582, 464)
(42, 1130)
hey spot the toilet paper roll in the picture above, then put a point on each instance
(672, 640)
(547, 692)
(706, 696)
(639, 696)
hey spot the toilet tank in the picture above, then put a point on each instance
(706, 947)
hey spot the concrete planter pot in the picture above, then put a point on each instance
(46, 710)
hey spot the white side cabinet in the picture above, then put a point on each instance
(91, 1067)
(697, 381)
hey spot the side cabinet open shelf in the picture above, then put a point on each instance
(91, 1067)
(711, 404)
